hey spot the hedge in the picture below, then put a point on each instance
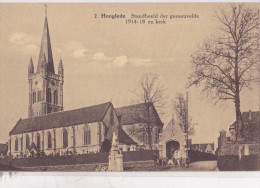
(200, 156)
(143, 155)
(228, 162)
(249, 163)
(61, 160)
(101, 157)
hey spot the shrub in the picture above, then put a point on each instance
(228, 162)
(200, 156)
(250, 162)
(106, 146)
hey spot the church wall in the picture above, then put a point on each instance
(97, 130)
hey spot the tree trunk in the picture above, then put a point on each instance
(238, 116)
(237, 99)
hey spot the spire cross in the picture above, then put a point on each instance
(45, 6)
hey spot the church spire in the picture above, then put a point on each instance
(46, 50)
(61, 70)
(30, 67)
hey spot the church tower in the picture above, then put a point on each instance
(45, 87)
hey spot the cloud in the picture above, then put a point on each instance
(99, 56)
(142, 62)
(120, 61)
(23, 42)
(73, 49)
(79, 53)
(31, 47)
(17, 38)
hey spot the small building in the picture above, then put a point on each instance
(134, 120)
(171, 139)
(249, 130)
(244, 139)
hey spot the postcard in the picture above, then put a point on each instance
(127, 87)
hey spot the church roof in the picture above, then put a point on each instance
(136, 114)
(89, 114)
(123, 138)
(45, 50)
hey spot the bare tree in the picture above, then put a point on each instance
(181, 112)
(150, 92)
(226, 64)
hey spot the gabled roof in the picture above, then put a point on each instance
(173, 131)
(89, 114)
(123, 138)
(45, 50)
(136, 114)
(251, 117)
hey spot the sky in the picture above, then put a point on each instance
(103, 59)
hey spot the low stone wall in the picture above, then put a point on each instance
(228, 149)
(239, 149)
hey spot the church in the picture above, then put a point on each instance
(50, 129)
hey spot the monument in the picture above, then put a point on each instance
(115, 156)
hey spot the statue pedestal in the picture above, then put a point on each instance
(115, 161)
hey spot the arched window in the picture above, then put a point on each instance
(49, 95)
(49, 144)
(39, 96)
(27, 141)
(87, 135)
(16, 144)
(55, 97)
(65, 138)
(38, 140)
(34, 97)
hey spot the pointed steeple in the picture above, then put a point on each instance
(61, 70)
(30, 67)
(46, 49)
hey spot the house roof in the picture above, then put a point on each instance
(3, 148)
(89, 114)
(136, 114)
(252, 117)
(255, 116)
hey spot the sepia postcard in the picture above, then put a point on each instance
(123, 87)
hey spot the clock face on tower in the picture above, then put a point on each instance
(38, 84)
